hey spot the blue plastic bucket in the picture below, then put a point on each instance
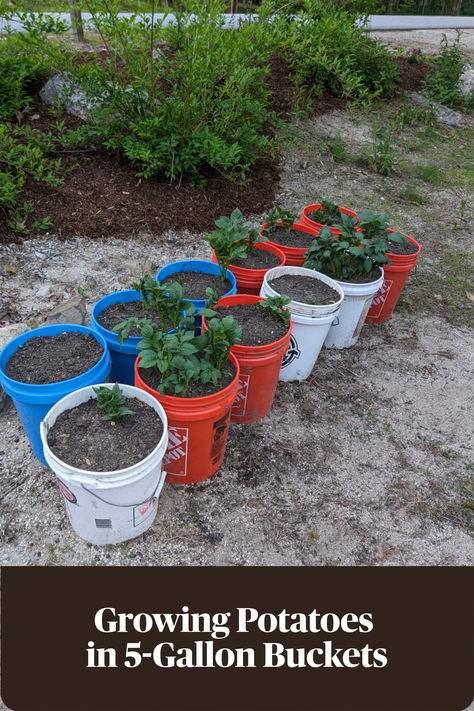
(196, 265)
(32, 402)
(123, 356)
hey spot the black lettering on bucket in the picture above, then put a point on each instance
(292, 353)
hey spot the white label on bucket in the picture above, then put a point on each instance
(177, 452)
(240, 402)
(143, 512)
(379, 299)
(292, 353)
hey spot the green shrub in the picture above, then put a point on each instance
(327, 50)
(17, 161)
(200, 103)
(443, 83)
(17, 71)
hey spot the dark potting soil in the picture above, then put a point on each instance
(258, 259)
(81, 438)
(259, 325)
(51, 359)
(305, 289)
(293, 238)
(196, 283)
(152, 378)
(115, 314)
(404, 247)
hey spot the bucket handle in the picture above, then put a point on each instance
(335, 322)
(155, 495)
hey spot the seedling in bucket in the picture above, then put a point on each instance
(112, 401)
(233, 240)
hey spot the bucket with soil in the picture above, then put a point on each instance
(196, 275)
(313, 216)
(40, 367)
(293, 243)
(402, 256)
(197, 424)
(109, 312)
(316, 303)
(265, 340)
(357, 300)
(249, 272)
(109, 471)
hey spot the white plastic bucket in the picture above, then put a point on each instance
(311, 323)
(357, 300)
(109, 507)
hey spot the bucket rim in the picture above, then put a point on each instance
(140, 394)
(183, 403)
(256, 274)
(53, 330)
(238, 348)
(305, 271)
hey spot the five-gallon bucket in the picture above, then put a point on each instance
(311, 323)
(109, 507)
(294, 256)
(395, 275)
(123, 356)
(32, 402)
(259, 369)
(357, 300)
(311, 222)
(197, 429)
(248, 280)
(196, 265)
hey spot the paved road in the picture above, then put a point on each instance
(374, 22)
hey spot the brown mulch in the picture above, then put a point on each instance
(413, 72)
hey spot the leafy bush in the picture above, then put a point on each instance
(327, 50)
(17, 161)
(17, 70)
(443, 83)
(180, 99)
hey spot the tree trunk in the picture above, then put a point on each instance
(76, 21)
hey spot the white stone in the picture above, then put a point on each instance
(44, 291)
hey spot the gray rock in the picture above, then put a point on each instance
(442, 113)
(467, 81)
(11, 331)
(4, 309)
(59, 86)
(71, 311)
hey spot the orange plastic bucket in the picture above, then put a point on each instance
(295, 255)
(395, 274)
(305, 220)
(259, 369)
(249, 281)
(197, 430)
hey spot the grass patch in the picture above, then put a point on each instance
(442, 289)
(429, 174)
